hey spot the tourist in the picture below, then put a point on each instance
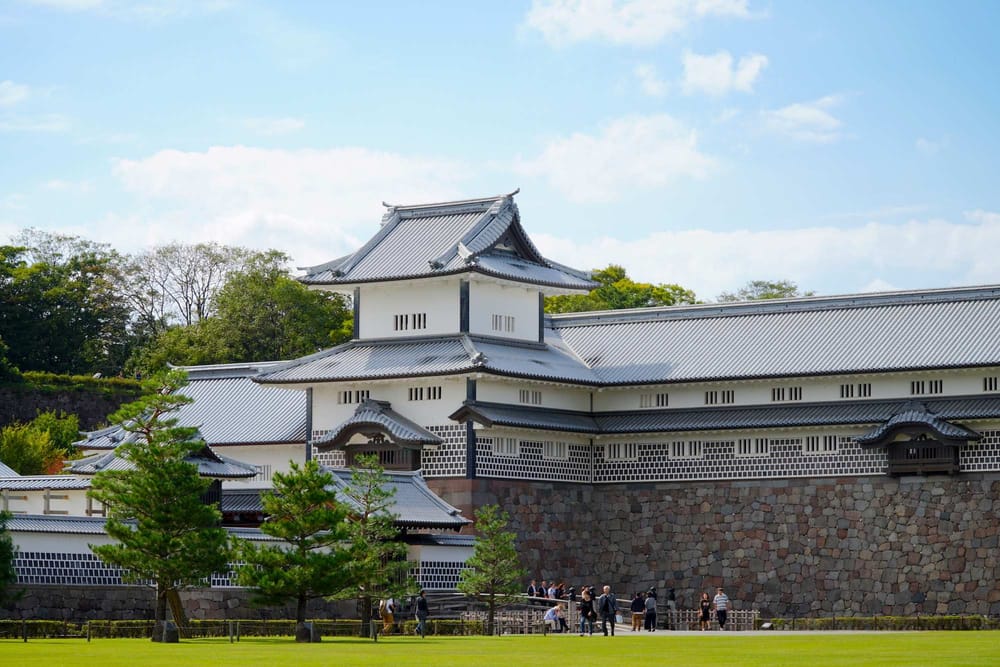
(706, 612)
(551, 593)
(671, 609)
(386, 609)
(422, 614)
(650, 617)
(638, 608)
(587, 613)
(722, 605)
(532, 589)
(607, 607)
(553, 616)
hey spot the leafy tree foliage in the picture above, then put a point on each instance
(260, 313)
(617, 291)
(59, 312)
(757, 290)
(8, 551)
(494, 569)
(304, 513)
(379, 567)
(63, 429)
(164, 531)
(28, 450)
(8, 371)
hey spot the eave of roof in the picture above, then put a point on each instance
(373, 415)
(672, 420)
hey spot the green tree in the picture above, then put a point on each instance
(314, 560)
(260, 313)
(617, 291)
(164, 531)
(63, 430)
(28, 450)
(379, 566)
(494, 569)
(8, 371)
(757, 290)
(8, 551)
(59, 309)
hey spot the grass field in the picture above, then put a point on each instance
(936, 649)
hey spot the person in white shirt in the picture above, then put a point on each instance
(722, 606)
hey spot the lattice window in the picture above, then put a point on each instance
(711, 398)
(530, 396)
(504, 323)
(864, 389)
(753, 447)
(727, 396)
(350, 396)
(990, 383)
(935, 387)
(662, 399)
(506, 446)
(554, 450)
(621, 451)
(847, 391)
(264, 472)
(777, 394)
(816, 444)
(918, 387)
(686, 449)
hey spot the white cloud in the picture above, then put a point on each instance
(312, 204)
(43, 123)
(874, 256)
(932, 146)
(72, 187)
(650, 81)
(716, 74)
(640, 152)
(806, 121)
(641, 22)
(273, 126)
(12, 93)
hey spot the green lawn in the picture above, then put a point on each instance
(736, 650)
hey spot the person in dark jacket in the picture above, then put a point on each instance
(637, 607)
(587, 613)
(650, 616)
(607, 607)
(422, 614)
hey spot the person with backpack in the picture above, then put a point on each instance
(386, 609)
(607, 607)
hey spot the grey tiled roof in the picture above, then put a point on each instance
(39, 482)
(209, 463)
(6, 470)
(229, 408)
(415, 505)
(79, 525)
(514, 416)
(800, 337)
(433, 355)
(724, 418)
(380, 415)
(475, 235)
(917, 414)
(240, 500)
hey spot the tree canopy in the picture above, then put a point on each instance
(314, 561)
(617, 291)
(165, 532)
(494, 569)
(40, 446)
(8, 551)
(757, 290)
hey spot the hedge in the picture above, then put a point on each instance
(884, 623)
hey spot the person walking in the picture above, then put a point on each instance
(638, 608)
(722, 605)
(650, 617)
(671, 609)
(706, 612)
(607, 607)
(422, 614)
(587, 613)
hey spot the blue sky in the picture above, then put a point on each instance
(849, 146)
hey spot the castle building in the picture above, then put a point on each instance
(829, 454)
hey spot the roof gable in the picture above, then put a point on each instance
(448, 238)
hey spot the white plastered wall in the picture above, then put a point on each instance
(65, 502)
(328, 413)
(553, 396)
(276, 456)
(489, 298)
(437, 299)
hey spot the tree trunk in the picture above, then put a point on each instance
(366, 616)
(300, 609)
(159, 614)
(490, 614)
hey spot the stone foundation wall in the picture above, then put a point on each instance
(126, 603)
(846, 546)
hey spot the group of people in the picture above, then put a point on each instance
(387, 608)
(604, 608)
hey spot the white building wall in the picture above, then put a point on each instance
(66, 502)
(437, 300)
(272, 458)
(487, 299)
(552, 396)
(329, 412)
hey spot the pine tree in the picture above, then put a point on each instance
(494, 569)
(165, 532)
(379, 566)
(314, 560)
(8, 575)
